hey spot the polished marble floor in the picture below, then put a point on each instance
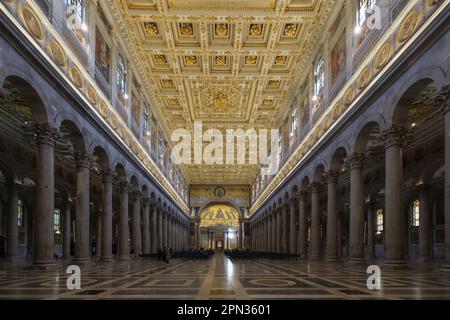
(222, 278)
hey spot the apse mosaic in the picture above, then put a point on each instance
(219, 216)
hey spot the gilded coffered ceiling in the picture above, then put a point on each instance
(229, 64)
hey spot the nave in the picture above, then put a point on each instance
(221, 278)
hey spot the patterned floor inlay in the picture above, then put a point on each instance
(222, 279)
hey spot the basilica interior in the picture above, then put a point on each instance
(92, 93)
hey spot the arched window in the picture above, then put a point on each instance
(363, 7)
(121, 76)
(380, 221)
(415, 213)
(145, 121)
(19, 213)
(79, 10)
(294, 119)
(57, 220)
(319, 78)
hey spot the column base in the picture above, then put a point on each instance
(43, 265)
(316, 258)
(395, 265)
(445, 268)
(123, 257)
(332, 259)
(81, 260)
(424, 259)
(107, 259)
(12, 259)
(356, 260)
(3, 273)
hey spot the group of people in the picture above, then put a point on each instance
(164, 254)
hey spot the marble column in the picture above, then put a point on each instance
(332, 216)
(315, 221)
(136, 238)
(45, 195)
(273, 218)
(146, 249)
(66, 230)
(164, 229)
(394, 243)
(302, 241)
(240, 234)
(443, 101)
(279, 213)
(269, 232)
(371, 230)
(286, 228)
(356, 208)
(82, 243)
(13, 231)
(107, 214)
(124, 232)
(160, 227)
(425, 224)
(98, 241)
(293, 225)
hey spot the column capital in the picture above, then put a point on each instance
(293, 198)
(135, 194)
(315, 187)
(302, 194)
(45, 133)
(355, 160)
(83, 159)
(442, 99)
(107, 175)
(146, 201)
(393, 136)
(124, 187)
(332, 176)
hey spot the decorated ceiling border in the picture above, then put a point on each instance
(45, 38)
(408, 26)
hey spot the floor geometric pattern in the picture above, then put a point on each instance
(220, 278)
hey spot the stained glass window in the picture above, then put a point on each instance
(380, 221)
(57, 220)
(415, 213)
(19, 213)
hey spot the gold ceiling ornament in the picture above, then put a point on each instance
(255, 30)
(221, 30)
(190, 60)
(349, 96)
(92, 94)
(167, 83)
(31, 21)
(221, 60)
(160, 59)
(58, 54)
(364, 78)
(216, 99)
(76, 77)
(151, 29)
(250, 60)
(273, 84)
(290, 29)
(409, 26)
(186, 29)
(172, 101)
(267, 103)
(383, 56)
(280, 60)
